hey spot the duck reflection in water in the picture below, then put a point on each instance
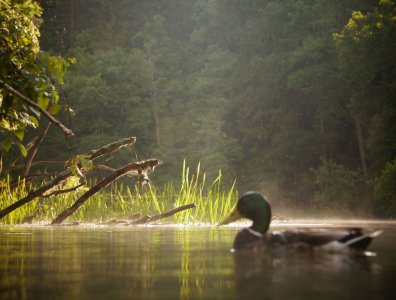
(265, 275)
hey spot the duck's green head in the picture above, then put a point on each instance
(253, 206)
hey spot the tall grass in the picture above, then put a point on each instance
(214, 201)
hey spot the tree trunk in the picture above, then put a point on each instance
(362, 153)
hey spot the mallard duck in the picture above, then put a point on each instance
(253, 206)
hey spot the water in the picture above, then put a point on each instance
(172, 262)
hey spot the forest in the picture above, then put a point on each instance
(294, 98)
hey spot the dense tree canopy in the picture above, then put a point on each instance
(25, 70)
(293, 98)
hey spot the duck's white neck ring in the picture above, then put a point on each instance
(254, 232)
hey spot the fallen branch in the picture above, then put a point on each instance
(115, 222)
(171, 212)
(138, 218)
(141, 220)
(133, 168)
(69, 134)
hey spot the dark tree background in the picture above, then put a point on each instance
(294, 98)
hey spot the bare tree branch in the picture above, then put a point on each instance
(111, 148)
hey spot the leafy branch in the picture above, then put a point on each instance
(69, 134)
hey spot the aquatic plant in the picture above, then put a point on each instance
(119, 201)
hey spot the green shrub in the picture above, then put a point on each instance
(337, 187)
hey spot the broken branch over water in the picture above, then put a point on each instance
(132, 168)
(111, 148)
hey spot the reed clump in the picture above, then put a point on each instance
(119, 201)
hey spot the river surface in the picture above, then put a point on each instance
(181, 262)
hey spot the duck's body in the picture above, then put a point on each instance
(327, 239)
(254, 206)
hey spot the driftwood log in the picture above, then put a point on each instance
(138, 218)
(66, 174)
(147, 219)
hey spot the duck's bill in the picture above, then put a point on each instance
(235, 215)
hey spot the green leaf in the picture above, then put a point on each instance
(6, 144)
(54, 109)
(35, 122)
(23, 150)
(5, 124)
(19, 134)
(43, 102)
(57, 67)
(55, 96)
